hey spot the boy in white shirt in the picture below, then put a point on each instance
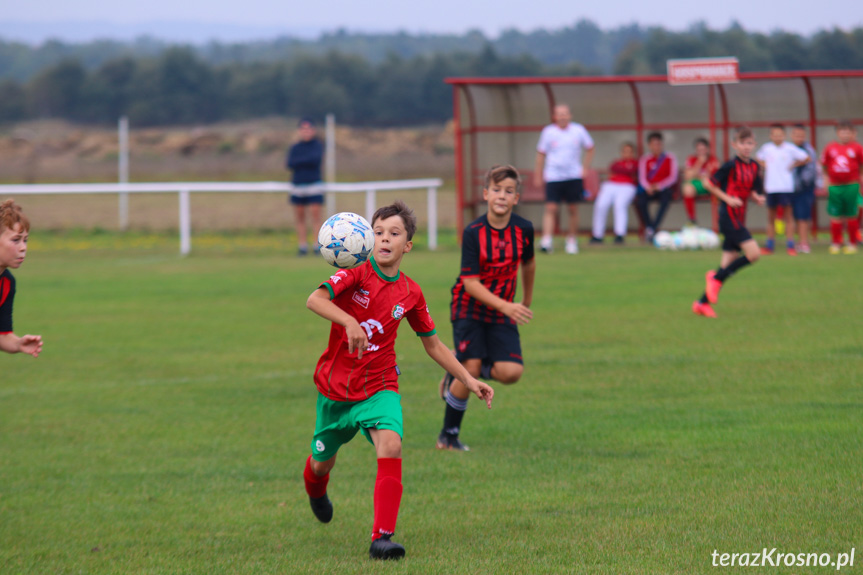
(563, 155)
(779, 159)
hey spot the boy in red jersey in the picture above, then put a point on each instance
(14, 232)
(485, 317)
(700, 165)
(618, 191)
(843, 164)
(734, 183)
(357, 375)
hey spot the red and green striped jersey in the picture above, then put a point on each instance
(378, 303)
(493, 256)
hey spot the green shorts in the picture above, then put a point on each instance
(339, 421)
(843, 201)
(700, 190)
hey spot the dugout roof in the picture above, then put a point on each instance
(498, 120)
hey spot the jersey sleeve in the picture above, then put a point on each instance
(799, 154)
(527, 252)
(542, 145)
(7, 295)
(762, 153)
(420, 319)
(470, 253)
(341, 281)
(586, 140)
(720, 176)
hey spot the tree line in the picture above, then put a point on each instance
(365, 79)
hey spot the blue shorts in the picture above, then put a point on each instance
(491, 342)
(802, 203)
(569, 191)
(307, 200)
(777, 199)
(305, 194)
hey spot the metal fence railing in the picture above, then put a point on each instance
(184, 189)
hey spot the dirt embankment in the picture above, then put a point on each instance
(49, 152)
(53, 151)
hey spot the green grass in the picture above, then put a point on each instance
(165, 427)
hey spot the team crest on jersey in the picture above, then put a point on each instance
(852, 153)
(398, 311)
(339, 275)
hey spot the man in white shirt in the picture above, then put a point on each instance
(779, 159)
(563, 155)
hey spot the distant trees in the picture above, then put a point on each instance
(365, 79)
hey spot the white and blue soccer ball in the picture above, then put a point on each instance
(346, 240)
(663, 240)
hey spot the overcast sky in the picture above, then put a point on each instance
(271, 17)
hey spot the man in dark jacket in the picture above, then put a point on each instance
(304, 160)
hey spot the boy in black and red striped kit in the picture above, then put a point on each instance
(734, 183)
(14, 233)
(484, 315)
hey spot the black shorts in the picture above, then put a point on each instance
(569, 191)
(779, 199)
(732, 237)
(491, 342)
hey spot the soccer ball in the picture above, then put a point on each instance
(707, 239)
(689, 238)
(663, 240)
(346, 240)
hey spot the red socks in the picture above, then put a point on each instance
(836, 232)
(690, 207)
(316, 486)
(388, 496)
(853, 230)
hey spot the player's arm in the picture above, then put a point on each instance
(757, 192)
(444, 357)
(320, 303)
(538, 166)
(528, 272)
(588, 159)
(717, 191)
(29, 344)
(517, 312)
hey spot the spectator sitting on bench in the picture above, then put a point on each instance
(698, 166)
(657, 174)
(618, 191)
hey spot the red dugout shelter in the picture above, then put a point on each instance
(498, 120)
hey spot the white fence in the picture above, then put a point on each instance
(183, 189)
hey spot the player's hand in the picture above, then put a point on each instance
(31, 344)
(517, 312)
(734, 202)
(760, 199)
(482, 390)
(357, 339)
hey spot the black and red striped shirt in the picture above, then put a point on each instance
(493, 256)
(7, 296)
(738, 178)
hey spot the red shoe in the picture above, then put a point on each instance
(704, 309)
(766, 252)
(712, 287)
(791, 252)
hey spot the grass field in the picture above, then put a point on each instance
(164, 428)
